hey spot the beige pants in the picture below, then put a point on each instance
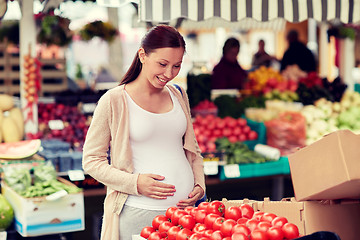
(132, 220)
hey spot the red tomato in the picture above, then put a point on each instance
(158, 220)
(217, 223)
(246, 211)
(199, 228)
(252, 223)
(263, 226)
(193, 211)
(170, 211)
(268, 217)
(275, 233)
(216, 207)
(246, 129)
(279, 221)
(252, 135)
(242, 220)
(209, 220)
(184, 234)
(239, 236)
(257, 215)
(200, 215)
(242, 137)
(155, 236)
(232, 212)
(177, 215)
(241, 228)
(195, 236)
(203, 205)
(258, 235)
(172, 232)
(241, 122)
(188, 209)
(204, 238)
(217, 235)
(237, 131)
(165, 226)
(227, 227)
(208, 232)
(187, 221)
(146, 231)
(290, 230)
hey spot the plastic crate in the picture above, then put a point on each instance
(260, 169)
(272, 168)
(258, 127)
(65, 161)
(76, 160)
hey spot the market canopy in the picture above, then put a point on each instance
(164, 11)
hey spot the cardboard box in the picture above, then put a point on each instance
(229, 203)
(328, 168)
(38, 216)
(341, 217)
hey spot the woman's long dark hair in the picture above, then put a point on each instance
(160, 36)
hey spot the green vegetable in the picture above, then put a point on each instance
(18, 179)
(238, 152)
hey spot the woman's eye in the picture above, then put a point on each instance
(162, 64)
(177, 66)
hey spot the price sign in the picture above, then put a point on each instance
(88, 107)
(76, 175)
(211, 167)
(232, 171)
(3, 235)
(56, 125)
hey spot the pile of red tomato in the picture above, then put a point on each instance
(209, 128)
(211, 220)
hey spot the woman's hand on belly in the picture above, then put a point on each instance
(150, 185)
(194, 196)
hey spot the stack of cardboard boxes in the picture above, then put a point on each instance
(326, 181)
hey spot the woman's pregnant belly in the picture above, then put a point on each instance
(176, 171)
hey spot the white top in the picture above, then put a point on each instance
(157, 147)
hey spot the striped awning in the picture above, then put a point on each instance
(163, 11)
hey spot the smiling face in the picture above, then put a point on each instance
(161, 66)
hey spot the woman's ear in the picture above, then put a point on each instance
(141, 54)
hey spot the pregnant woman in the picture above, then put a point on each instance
(155, 161)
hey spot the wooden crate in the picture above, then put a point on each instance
(53, 71)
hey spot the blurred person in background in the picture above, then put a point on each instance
(155, 162)
(298, 54)
(261, 57)
(228, 74)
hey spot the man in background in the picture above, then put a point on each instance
(297, 53)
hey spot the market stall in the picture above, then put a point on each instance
(243, 140)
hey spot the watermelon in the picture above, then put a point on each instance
(6, 213)
(19, 150)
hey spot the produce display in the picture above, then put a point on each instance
(11, 120)
(209, 128)
(238, 152)
(287, 132)
(266, 79)
(44, 183)
(73, 124)
(212, 220)
(204, 107)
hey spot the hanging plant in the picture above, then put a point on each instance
(342, 31)
(9, 30)
(104, 30)
(54, 30)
